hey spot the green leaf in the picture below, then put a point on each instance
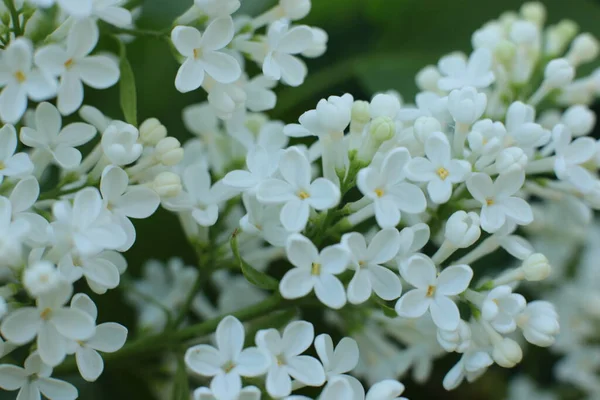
(128, 94)
(181, 385)
(254, 276)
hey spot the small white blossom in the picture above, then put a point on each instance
(120, 143)
(458, 73)
(283, 43)
(500, 308)
(12, 164)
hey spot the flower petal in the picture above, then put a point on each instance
(413, 303)
(204, 360)
(444, 313)
(296, 283)
(221, 67)
(330, 291)
(189, 76)
(294, 215)
(386, 284)
(454, 280)
(323, 194)
(89, 363)
(297, 337)
(306, 370)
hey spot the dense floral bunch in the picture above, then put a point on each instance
(381, 209)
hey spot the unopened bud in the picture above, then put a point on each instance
(512, 157)
(505, 51)
(580, 120)
(382, 129)
(425, 126)
(507, 353)
(462, 229)
(152, 131)
(584, 48)
(167, 184)
(361, 112)
(534, 12)
(536, 267)
(254, 122)
(559, 36)
(169, 151)
(558, 73)
(427, 78)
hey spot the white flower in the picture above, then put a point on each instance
(86, 224)
(471, 366)
(263, 220)
(521, 128)
(12, 235)
(108, 338)
(386, 187)
(120, 143)
(101, 271)
(50, 138)
(569, 157)
(439, 170)
(462, 229)
(75, 65)
(466, 105)
(126, 202)
(282, 43)
(458, 340)
(261, 166)
(34, 380)
(247, 393)
(340, 360)
(40, 278)
(51, 322)
(539, 323)
(386, 390)
(501, 306)
(433, 291)
(199, 197)
(499, 204)
(314, 271)
(330, 117)
(370, 275)
(296, 192)
(11, 164)
(458, 73)
(21, 80)
(229, 361)
(203, 55)
(285, 351)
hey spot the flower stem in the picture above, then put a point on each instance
(14, 15)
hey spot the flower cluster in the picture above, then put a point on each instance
(378, 211)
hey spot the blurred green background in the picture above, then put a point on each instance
(373, 45)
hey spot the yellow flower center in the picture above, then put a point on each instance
(45, 314)
(430, 291)
(315, 269)
(379, 192)
(303, 195)
(2, 165)
(69, 63)
(489, 201)
(228, 366)
(20, 76)
(442, 173)
(197, 53)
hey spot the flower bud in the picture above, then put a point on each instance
(505, 51)
(512, 157)
(169, 151)
(462, 229)
(536, 267)
(384, 105)
(319, 43)
(524, 32)
(458, 340)
(382, 129)
(466, 105)
(425, 126)
(539, 323)
(534, 12)
(558, 73)
(152, 131)
(361, 113)
(167, 184)
(558, 36)
(427, 78)
(580, 120)
(119, 143)
(40, 278)
(584, 49)
(507, 353)
(295, 9)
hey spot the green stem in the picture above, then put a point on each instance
(14, 15)
(142, 32)
(151, 345)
